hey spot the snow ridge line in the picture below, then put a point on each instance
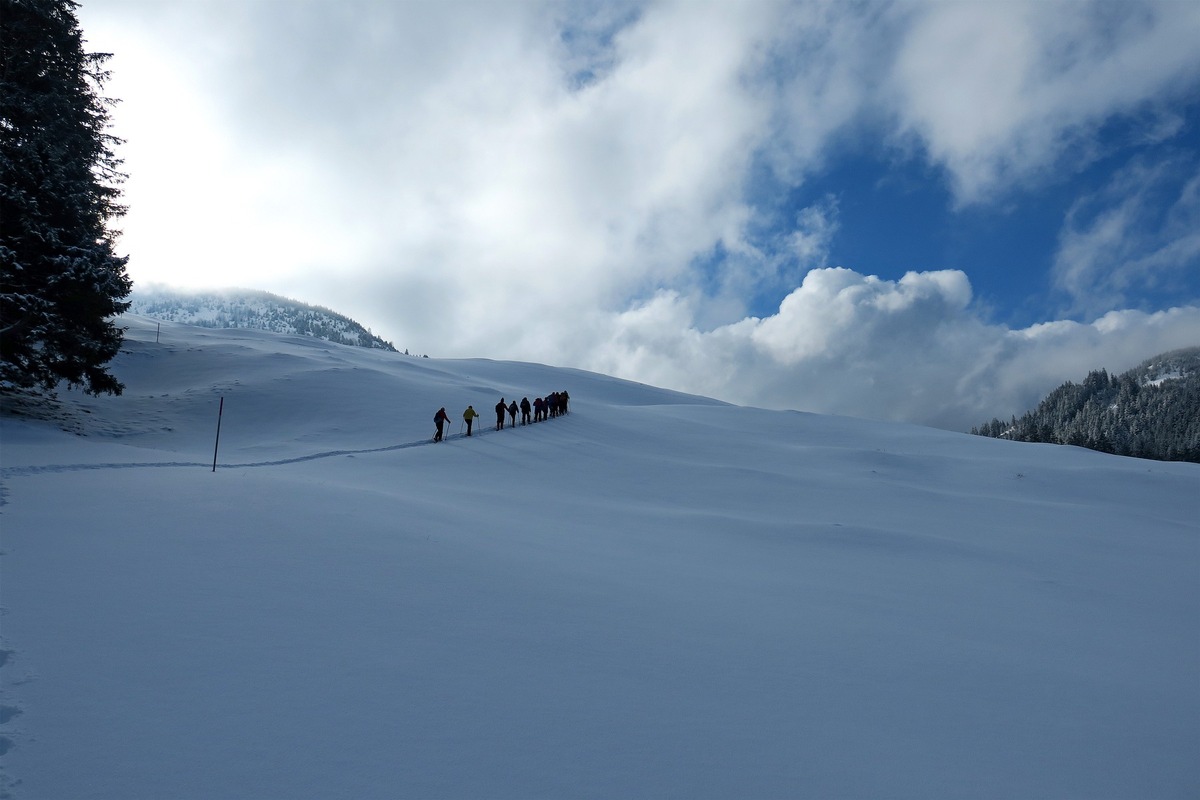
(21, 472)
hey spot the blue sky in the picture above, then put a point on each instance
(899, 214)
(923, 211)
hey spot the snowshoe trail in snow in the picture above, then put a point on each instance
(21, 472)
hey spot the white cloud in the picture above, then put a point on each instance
(999, 92)
(205, 210)
(582, 183)
(815, 228)
(914, 349)
(1141, 230)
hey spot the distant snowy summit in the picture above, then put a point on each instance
(262, 311)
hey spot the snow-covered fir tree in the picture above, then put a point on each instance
(62, 281)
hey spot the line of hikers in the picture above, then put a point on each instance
(553, 405)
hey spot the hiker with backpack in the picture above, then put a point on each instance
(525, 408)
(440, 419)
(501, 409)
(512, 414)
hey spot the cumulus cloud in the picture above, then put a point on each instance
(914, 350)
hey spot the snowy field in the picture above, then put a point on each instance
(655, 596)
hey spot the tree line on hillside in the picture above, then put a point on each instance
(1151, 411)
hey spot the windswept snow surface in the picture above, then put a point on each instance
(655, 596)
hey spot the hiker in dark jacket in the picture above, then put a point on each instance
(525, 410)
(512, 413)
(440, 419)
(501, 408)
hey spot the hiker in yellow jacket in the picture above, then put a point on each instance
(469, 417)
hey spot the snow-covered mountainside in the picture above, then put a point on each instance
(1173, 366)
(260, 311)
(656, 595)
(1151, 411)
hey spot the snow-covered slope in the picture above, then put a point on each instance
(252, 310)
(657, 595)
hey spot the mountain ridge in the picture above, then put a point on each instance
(253, 310)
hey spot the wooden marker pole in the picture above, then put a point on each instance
(220, 412)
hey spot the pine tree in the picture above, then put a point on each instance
(61, 282)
